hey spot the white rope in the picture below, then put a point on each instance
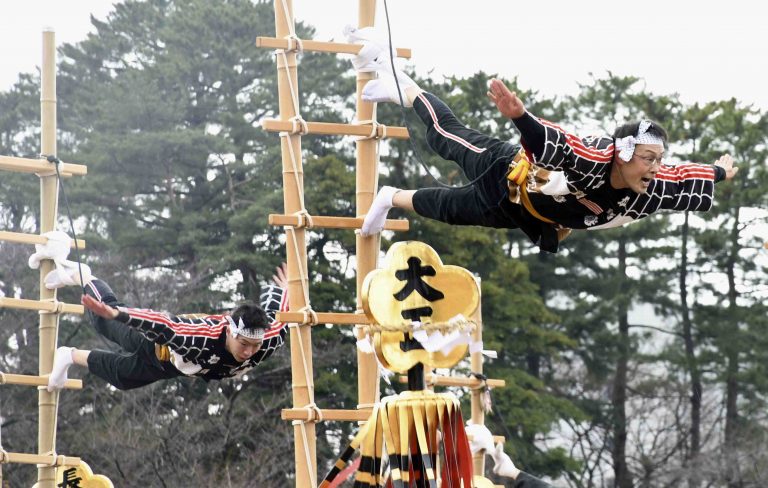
(310, 382)
(294, 95)
(295, 166)
(304, 289)
(305, 219)
(303, 428)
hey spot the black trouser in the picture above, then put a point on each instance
(485, 202)
(140, 366)
(480, 203)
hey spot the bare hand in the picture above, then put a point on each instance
(726, 162)
(99, 308)
(280, 278)
(506, 100)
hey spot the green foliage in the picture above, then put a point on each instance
(163, 103)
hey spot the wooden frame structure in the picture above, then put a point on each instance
(48, 307)
(291, 127)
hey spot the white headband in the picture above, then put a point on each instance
(240, 329)
(626, 145)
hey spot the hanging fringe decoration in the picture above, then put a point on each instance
(414, 439)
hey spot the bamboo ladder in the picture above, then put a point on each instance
(291, 127)
(48, 307)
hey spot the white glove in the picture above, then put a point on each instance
(503, 464)
(67, 273)
(374, 45)
(57, 248)
(482, 439)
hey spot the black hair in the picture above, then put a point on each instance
(254, 317)
(630, 129)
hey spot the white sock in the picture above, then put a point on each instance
(67, 273)
(374, 47)
(503, 465)
(61, 363)
(377, 214)
(384, 89)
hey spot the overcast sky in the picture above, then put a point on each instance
(703, 51)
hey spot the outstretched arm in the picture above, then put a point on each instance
(274, 299)
(99, 308)
(552, 147)
(509, 104)
(505, 99)
(186, 336)
(726, 162)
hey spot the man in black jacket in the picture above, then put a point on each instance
(552, 182)
(162, 346)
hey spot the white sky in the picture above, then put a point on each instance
(704, 51)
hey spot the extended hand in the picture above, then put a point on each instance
(280, 278)
(506, 100)
(726, 162)
(101, 309)
(503, 465)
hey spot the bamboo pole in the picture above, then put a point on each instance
(49, 460)
(28, 380)
(321, 46)
(49, 186)
(296, 253)
(476, 363)
(337, 318)
(437, 380)
(337, 129)
(367, 248)
(334, 222)
(20, 238)
(42, 306)
(327, 414)
(40, 166)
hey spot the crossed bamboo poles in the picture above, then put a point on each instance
(48, 306)
(296, 219)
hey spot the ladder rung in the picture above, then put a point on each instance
(21, 238)
(28, 380)
(333, 222)
(325, 318)
(456, 381)
(321, 46)
(335, 129)
(27, 165)
(496, 439)
(23, 304)
(328, 414)
(20, 458)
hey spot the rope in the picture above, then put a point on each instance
(313, 412)
(294, 95)
(58, 306)
(3, 452)
(374, 130)
(56, 162)
(305, 219)
(519, 177)
(411, 138)
(304, 289)
(55, 458)
(444, 327)
(309, 316)
(307, 454)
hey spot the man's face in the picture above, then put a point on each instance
(637, 173)
(242, 348)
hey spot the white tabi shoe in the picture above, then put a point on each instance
(377, 214)
(67, 273)
(61, 363)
